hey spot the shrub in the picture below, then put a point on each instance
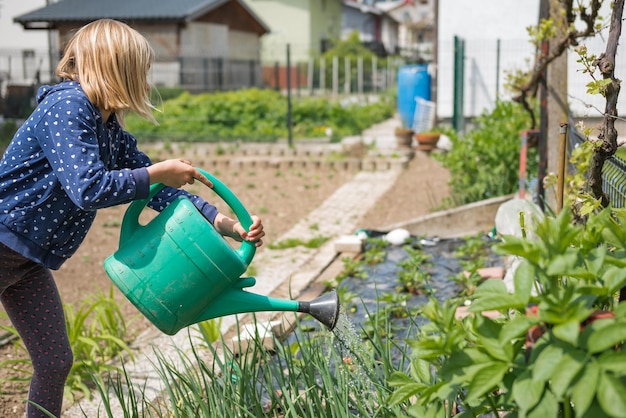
(7, 130)
(485, 162)
(557, 347)
(258, 116)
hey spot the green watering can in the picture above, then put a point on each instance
(178, 270)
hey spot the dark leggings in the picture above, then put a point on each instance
(31, 299)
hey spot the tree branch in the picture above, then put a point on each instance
(567, 37)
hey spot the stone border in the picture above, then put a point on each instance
(456, 222)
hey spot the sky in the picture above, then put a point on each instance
(487, 19)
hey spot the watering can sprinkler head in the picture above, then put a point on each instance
(325, 309)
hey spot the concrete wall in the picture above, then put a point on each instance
(457, 222)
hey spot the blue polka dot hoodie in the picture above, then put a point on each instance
(63, 164)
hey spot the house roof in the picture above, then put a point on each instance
(364, 8)
(393, 4)
(133, 10)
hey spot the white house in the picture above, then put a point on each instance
(482, 24)
(12, 35)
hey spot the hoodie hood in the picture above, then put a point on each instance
(46, 90)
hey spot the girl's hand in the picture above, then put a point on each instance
(233, 228)
(255, 234)
(176, 173)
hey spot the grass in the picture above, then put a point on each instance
(312, 375)
(296, 242)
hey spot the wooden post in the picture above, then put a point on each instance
(562, 162)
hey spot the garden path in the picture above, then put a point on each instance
(369, 197)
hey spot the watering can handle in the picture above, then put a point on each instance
(130, 224)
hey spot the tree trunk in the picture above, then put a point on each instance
(608, 133)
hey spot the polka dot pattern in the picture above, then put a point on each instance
(63, 164)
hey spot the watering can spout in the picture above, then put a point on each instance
(325, 309)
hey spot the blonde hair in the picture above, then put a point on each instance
(111, 61)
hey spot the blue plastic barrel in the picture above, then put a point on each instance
(413, 82)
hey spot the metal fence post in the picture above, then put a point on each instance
(458, 120)
(359, 66)
(335, 75)
(276, 77)
(562, 161)
(374, 73)
(252, 69)
(310, 76)
(346, 68)
(220, 74)
(289, 120)
(205, 76)
(322, 75)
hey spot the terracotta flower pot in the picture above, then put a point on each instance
(404, 138)
(427, 141)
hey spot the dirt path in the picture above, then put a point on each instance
(419, 190)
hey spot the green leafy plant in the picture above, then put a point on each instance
(556, 349)
(256, 115)
(351, 268)
(296, 242)
(375, 251)
(472, 255)
(210, 330)
(317, 374)
(576, 183)
(97, 332)
(413, 275)
(485, 162)
(395, 304)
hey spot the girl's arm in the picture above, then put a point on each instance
(176, 173)
(172, 173)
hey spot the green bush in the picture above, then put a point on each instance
(485, 162)
(7, 130)
(166, 93)
(256, 115)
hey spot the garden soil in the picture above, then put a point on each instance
(280, 194)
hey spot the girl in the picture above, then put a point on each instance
(70, 158)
